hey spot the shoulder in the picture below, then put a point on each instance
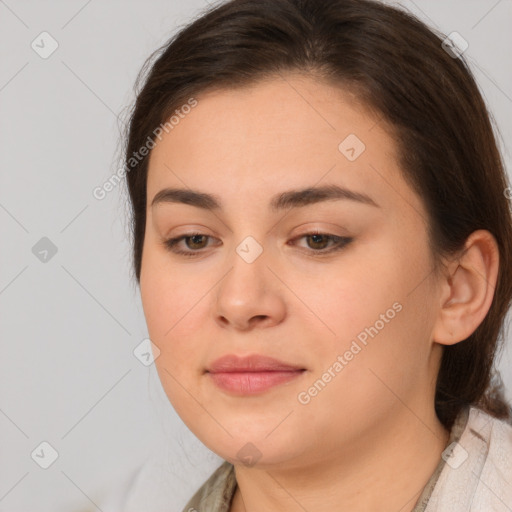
(494, 490)
(478, 471)
(216, 493)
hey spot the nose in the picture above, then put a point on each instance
(250, 295)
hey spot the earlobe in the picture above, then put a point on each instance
(468, 289)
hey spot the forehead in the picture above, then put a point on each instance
(287, 132)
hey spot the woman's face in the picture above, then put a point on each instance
(354, 314)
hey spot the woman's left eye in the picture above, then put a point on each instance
(318, 243)
(321, 239)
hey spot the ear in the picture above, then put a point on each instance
(467, 289)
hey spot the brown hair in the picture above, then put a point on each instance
(397, 66)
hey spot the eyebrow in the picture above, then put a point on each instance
(289, 199)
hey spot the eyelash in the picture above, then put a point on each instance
(340, 242)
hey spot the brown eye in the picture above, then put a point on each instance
(318, 244)
(196, 241)
(319, 241)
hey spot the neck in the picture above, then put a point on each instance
(385, 470)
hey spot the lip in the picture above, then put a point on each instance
(252, 374)
(251, 363)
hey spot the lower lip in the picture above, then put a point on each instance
(251, 383)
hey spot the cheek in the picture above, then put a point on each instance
(351, 296)
(171, 309)
(377, 307)
(163, 293)
(170, 317)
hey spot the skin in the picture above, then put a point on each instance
(370, 439)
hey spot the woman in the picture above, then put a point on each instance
(323, 244)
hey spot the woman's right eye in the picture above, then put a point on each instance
(196, 238)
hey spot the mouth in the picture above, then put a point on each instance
(252, 382)
(250, 375)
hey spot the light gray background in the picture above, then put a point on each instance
(70, 325)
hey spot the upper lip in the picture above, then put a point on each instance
(251, 363)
